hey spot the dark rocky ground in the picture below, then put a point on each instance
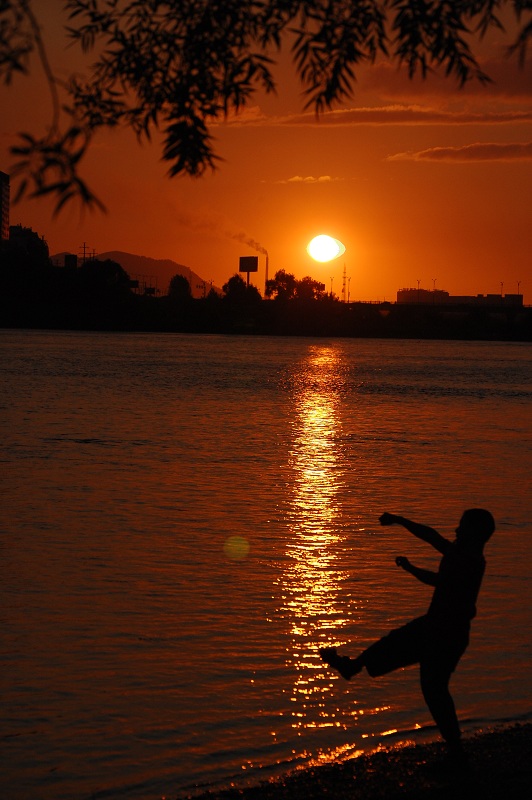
(499, 768)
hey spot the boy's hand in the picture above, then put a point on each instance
(387, 519)
(403, 562)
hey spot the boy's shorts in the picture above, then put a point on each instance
(422, 641)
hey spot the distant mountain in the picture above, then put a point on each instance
(157, 272)
(154, 272)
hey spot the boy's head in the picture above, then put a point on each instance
(476, 524)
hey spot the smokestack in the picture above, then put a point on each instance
(266, 276)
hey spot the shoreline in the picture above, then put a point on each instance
(500, 768)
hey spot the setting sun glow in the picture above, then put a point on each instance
(325, 248)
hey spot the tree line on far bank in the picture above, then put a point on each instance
(99, 295)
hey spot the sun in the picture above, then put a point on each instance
(325, 248)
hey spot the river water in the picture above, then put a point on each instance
(186, 519)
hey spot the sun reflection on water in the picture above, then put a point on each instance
(311, 581)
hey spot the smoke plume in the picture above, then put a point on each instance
(217, 225)
(241, 237)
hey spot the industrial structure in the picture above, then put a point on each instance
(440, 297)
(248, 264)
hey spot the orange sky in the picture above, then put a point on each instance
(420, 181)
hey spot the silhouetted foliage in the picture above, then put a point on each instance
(181, 66)
(241, 306)
(285, 286)
(309, 289)
(179, 289)
(282, 285)
(25, 248)
(102, 278)
(236, 292)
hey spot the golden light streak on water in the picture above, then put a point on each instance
(311, 580)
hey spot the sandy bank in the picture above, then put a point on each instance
(500, 768)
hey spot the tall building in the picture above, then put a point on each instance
(4, 206)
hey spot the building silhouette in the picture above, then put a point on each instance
(4, 206)
(440, 297)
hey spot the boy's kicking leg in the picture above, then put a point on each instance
(400, 648)
(437, 655)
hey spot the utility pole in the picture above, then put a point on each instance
(84, 251)
(344, 283)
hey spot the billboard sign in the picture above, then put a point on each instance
(249, 264)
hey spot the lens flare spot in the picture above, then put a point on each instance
(325, 248)
(236, 548)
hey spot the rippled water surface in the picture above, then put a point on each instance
(186, 519)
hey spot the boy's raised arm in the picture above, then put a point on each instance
(429, 535)
(423, 575)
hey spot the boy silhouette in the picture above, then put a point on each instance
(437, 640)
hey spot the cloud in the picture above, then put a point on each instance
(406, 115)
(397, 114)
(310, 179)
(247, 116)
(481, 151)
